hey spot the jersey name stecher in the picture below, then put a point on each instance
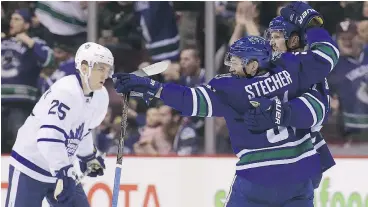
(58, 129)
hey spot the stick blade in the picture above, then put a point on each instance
(153, 69)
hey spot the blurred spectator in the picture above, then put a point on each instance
(159, 29)
(192, 75)
(64, 18)
(64, 65)
(179, 132)
(348, 82)
(107, 39)
(22, 59)
(172, 74)
(247, 21)
(118, 22)
(363, 31)
(152, 141)
(190, 66)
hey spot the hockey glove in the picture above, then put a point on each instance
(95, 164)
(265, 114)
(65, 185)
(302, 15)
(125, 82)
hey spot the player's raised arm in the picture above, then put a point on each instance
(198, 101)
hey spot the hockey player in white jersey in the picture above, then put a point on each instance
(58, 131)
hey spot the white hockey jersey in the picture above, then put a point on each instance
(58, 129)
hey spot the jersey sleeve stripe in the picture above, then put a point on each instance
(195, 103)
(209, 114)
(325, 57)
(328, 50)
(202, 104)
(50, 140)
(317, 105)
(333, 47)
(56, 128)
(311, 109)
(324, 111)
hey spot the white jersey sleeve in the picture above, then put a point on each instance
(101, 102)
(59, 109)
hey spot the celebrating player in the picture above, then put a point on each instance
(275, 167)
(57, 131)
(301, 112)
(260, 154)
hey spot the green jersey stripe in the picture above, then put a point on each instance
(328, 50)
(316, 105)
(276, 154)
(60, 16)
(202, 104)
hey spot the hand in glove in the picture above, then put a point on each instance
(96, 165)
(266, 114)
(302, 15)
(65, 184)
(124, 83)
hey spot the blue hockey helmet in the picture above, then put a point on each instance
(279, 24)
(250, 48)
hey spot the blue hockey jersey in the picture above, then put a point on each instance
(20, 68)
(349, 81)
(285, 153)
(65, 68)
(159, 29)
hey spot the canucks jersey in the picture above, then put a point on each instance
(20, 67)
(65, 68)
(350, 81)
(287, 153)
(58, 129)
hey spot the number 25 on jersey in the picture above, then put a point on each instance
(61, 109)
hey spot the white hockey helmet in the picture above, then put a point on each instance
(94, 53)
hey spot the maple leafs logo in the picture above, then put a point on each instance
(78, 132)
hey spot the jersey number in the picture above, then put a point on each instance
(280, 133)
(62, 108)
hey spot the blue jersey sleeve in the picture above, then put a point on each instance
(43, 52)
(314, 64)
(310, 109)
(199, 101)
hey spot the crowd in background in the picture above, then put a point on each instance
(142, 33)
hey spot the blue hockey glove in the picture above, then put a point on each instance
(95, 164)
(302, 15)
(65, 185)
(125, 82)
(265, 114)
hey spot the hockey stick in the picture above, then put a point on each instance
(147, 71)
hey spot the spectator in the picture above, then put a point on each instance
(348, 81)
(190, 65)
(152, 140)
(247, 21)
(64, 65)
(64, 18)
(22, 59)
(159, 29)
(363, 31)
(180, 133)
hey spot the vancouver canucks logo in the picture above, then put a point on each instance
(74, 139)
